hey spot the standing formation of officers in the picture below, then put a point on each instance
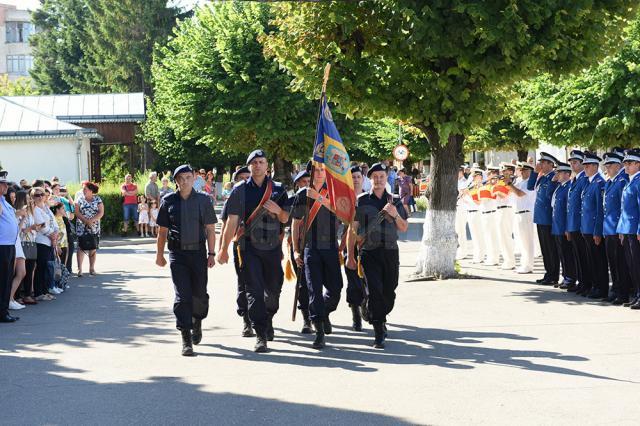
(586, 221)
(255, 218)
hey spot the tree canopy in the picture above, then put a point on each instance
(597, 108)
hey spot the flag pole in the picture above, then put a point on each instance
(325, 79)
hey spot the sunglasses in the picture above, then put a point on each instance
(38, 195)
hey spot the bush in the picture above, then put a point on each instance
(422, 203)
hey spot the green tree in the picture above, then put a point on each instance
(440, 66)
(57, 50)
(598, 108)
(506, 134)
(22, 86)
(213, 87)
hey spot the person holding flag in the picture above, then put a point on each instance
(379, 218)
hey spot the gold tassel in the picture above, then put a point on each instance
(360, 268)
(239, 256)
(289, 273)
(341, 259)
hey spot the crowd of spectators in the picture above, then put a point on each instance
(40, 224)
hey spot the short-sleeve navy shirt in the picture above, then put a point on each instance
(186, 219)
(384, 234)
(244, 199)
(323, 231)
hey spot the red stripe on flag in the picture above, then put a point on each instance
(342, 197)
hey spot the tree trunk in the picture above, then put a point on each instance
(522, 154)
(282, 172)
(439, 243)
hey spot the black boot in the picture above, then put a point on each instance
(378, 328)
(247, 331)
(197, 331)
(327, 326)
(270, 332)
(357, 319)
(187, 348)
(306, 326)
(318, 343)
(261, 342)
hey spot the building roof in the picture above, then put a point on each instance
(95, 108)
(20, 122)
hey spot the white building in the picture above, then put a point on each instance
(15, 52)
(62, 135)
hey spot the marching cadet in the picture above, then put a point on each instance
(255, 218)
(302, 180)
(617, 179)
(472, 200)
(240, 175)
(313, 215)
(591, 221)
(355, 286)
(488, 217)
(574, 209)
(525, 200)
(187, 221)
(542, 181)
(461, 215)
(379, 218)
(505, 215)
(628, 225)
(559, 223)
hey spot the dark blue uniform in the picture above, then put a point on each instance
(542, 217)
(628, 226)
(260, 249)
(591, 223)
(186, 221)
(321, 258)
(303, 292)
(558, 229)
(574, 208)
(620, 281)
(379, 254)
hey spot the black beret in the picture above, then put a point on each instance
(185, 168)
(258, 153)
(240, 171)
(356, 169)
(378, 167)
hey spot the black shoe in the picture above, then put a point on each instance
(572, 288)
(357, 319)
(564, 286)
(187, 348)
(247, 331)
(635, 305)
(595, 294)
(196, 336)
(261, 343)
(9, 318)
(540, 281)
(611, 298)
(306, 325)
(318, 343)
(328, 329)
(270, 332)
(631, 302)
(378, 329)
(547, 282)
(619, 302)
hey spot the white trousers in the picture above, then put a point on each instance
(461, 231)
(490, 230)
(505, 236)
(526, 228)
(477, 235)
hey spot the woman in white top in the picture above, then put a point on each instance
(28, 235)
(89, 211)
(19, 272)
(46, 234)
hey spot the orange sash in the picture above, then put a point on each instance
(315, 208)
(265, 197)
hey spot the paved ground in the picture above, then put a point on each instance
(482, 351)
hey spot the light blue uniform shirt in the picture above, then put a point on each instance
(8, 224)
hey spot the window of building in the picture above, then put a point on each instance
(19, 32)
(19, 64)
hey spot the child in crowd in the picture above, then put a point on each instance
(153, 217)
(226, 190)
(143, 215)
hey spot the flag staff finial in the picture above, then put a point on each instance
(327, 70)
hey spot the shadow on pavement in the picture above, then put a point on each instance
(549, 294)
(159, 400)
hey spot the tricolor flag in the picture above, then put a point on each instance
(330, 150)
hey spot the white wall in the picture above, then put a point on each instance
(43, 158)
(559, 152)
(494, 158)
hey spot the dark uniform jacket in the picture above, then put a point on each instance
(324, 228)
(383, 234)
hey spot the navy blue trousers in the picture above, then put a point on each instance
(263, 277)
(189, 275)
(322, 269)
